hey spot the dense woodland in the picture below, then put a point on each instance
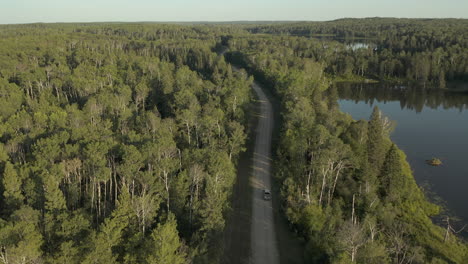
(431, 52)
(119, 142)
(346, 188)
(116, 147)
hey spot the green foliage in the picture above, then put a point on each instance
(167, 248)
(375, 141)
(12, 187)
(118, 142)
(426, 51)
(103, 129)
(393, 182)
(11, 99)
(346, 189)
(20, 238)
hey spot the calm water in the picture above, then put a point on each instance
(429, 124)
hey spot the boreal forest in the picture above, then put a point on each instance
(120, 142)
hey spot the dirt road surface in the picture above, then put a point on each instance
(257, 232)
(264, 247)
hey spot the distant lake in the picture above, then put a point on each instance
(430, 123)
(359, 45)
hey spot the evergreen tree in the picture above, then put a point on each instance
(106, 240)
(392, 185)
(167, 247)
(375, 142)
(20, 239)
(12, 188)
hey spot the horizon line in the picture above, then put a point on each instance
(227, 21)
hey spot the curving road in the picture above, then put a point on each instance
(264, 247)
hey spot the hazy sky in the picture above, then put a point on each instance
(27, 11)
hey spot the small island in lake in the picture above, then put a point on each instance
(434, 162)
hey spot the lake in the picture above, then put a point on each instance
(430, 123)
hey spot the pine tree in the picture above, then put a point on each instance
(55, 208)
(375, 142)
(167, 247)
(110, 234)
(20, 240)
(391, 176)
(12, 187)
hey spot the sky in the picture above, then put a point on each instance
(31, 11)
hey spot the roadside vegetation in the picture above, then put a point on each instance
(119, 142)
(346, 188)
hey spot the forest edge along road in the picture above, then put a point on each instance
(256, 232)
(250, 234)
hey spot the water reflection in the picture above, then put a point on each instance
(430, 123)
(410, 98)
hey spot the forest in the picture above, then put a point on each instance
(119, 142)
(116, 147)
(430, 52)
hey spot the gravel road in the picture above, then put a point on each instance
(264, 247)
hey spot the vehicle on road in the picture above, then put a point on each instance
(266, 194)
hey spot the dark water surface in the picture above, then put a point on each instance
(430, 123)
